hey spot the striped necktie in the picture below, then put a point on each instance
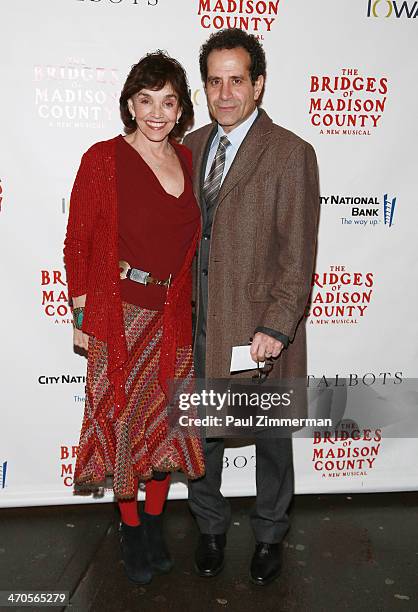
(213, 180)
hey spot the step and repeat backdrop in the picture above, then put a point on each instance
(342, 76)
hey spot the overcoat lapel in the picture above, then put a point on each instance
(248, 154)
(199, 165)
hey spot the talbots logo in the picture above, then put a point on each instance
(360, 211)
(340, 297)
(392, 8)
(136, 2)
(3, 474)
(255, 16)
(347, 104)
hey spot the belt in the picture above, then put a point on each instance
(139, 276)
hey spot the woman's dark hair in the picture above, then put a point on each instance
(154, 71)
(231, 39)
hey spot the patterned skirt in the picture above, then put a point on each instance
(141, 439)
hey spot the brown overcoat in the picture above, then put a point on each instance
(263, 243)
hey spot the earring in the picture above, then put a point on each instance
(133, 117)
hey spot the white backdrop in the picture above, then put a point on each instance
(340, 74)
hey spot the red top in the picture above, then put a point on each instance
(92, 264)
(155, 227)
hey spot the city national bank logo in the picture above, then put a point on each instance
(76, 95)
(255, 16)
(3, 474)
(62, 379)
(347, 104)
(54, 297)
(361, 211)
(392, 8)
(340, 297)
(347, 452)
(389, 209)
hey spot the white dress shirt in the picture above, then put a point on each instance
(235, 137)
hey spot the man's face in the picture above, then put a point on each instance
(231, 95)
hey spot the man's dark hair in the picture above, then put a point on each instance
(231, 39)
(153, 72)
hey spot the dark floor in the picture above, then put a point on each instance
(344, 552)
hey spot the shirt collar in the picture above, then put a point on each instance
(237, 135)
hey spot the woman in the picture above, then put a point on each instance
(131, 237)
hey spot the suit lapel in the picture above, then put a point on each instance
(248, 154)
(200, 163)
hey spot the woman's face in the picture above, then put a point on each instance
(156, 112)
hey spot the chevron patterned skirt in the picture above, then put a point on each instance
(140, 440)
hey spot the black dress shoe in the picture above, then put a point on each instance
(266, 563)
(134, 549)
(159, 557)
(209, 556)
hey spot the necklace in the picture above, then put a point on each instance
(151, 163)
(158, 165)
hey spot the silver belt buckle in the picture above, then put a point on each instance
(139, 276)
(135, 274)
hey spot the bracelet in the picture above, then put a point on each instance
(78, 314)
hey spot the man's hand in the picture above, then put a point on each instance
(264, 346)
(81, 339)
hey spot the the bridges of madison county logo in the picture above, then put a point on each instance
(54, 296)
(76, 94)
(3, 474)
(347, 452)
(254, 16)
(339, 296)
(347, 104)
(392, 8)
(361, 211)
(68, 455)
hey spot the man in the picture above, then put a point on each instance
(257, 187)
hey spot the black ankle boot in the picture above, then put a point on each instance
(135, 558)
(159, 557)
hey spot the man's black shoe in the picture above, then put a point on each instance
(266, 563)
(209, 556)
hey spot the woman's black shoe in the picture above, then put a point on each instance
(159, 557)
(135, 557)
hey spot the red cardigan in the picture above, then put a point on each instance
(91, 260)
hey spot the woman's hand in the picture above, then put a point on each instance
(81, 339)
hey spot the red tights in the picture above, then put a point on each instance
(155, 496)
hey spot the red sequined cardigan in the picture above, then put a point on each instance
(91, 260)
